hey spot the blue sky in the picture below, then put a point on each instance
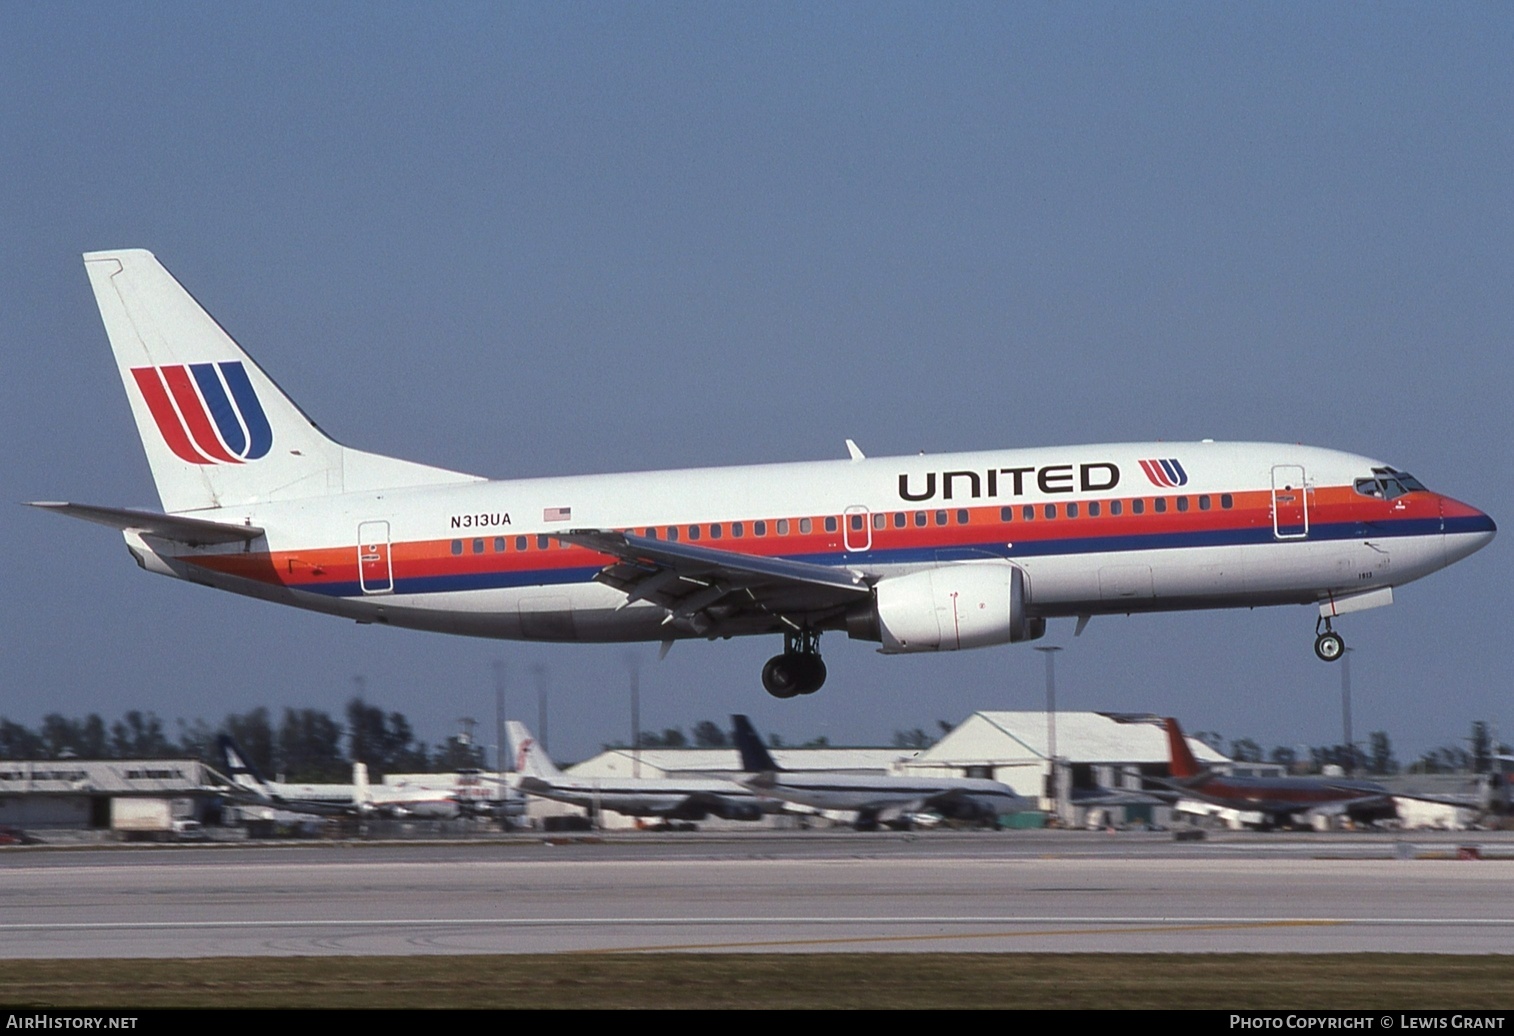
(552, 238)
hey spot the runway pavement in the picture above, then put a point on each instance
(937, 891)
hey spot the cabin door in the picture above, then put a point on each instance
(857, 529)
(1290, 502)
(374, 572)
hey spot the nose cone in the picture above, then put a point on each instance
(1467, 530)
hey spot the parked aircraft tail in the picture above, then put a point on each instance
(531, 760)
(238, 767)
(754, 755)
(217, 431)
(1180, 756)
(362, 791)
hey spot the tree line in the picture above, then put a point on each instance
(305, 745)
(309, 745)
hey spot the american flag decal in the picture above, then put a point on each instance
(557, 514)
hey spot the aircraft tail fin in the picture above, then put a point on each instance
(755, 757)
(217, 431)
(362, 791)
(1180, 756)
(238, 767)
(531, 760)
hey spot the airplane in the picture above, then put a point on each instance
(435, 799)
(1277, 799)
(916, 554)
(891, 801)
(316, 799)
(680, 798)
(443, 797)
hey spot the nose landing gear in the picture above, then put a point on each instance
(1328, 645)
(798, 670)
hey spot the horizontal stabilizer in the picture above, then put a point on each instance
(196, 532)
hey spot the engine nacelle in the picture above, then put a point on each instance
(726, 809)
(951, 608)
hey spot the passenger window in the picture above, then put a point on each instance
(738, 529)
(715, 532)
(1160, 505)
(1028, 513)
(830, 523)
(1138, 506)
(672, 534)
(961, 516)
(880, 520)
(521, 543)
(919, 519)
(1006, 514)
(783, 526)
(457, 546)
(1182, 503)
(940, 517)
(478, 546)
(693, 532)
(1093, 508)
(1072, 510)
(1226, 501)
(805, 525)
(857, 523)
(760, 528)
(1116, 508)
(1203, 503)
(1050, 510)
(499, 544)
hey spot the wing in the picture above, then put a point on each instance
(714, 593)
(196, 532)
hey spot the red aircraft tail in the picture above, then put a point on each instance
(1180, 758)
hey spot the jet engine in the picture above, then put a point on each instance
(958, 606)
(729, 810)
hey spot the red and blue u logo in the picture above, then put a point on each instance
(208, 412)
(1168, 473)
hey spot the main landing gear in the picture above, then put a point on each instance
(798, 670)
(1328, 646)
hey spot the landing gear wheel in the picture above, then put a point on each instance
(781, 676)
(1329, 646)
(798, 670)
(812, 672)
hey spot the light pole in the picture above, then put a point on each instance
(1050, 654)
(635, 666)
(501, 750)
(1346, 710)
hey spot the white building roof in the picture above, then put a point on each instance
(1020, 738)
(101, 776)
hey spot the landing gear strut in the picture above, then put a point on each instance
(798, 670)
(1328, 646)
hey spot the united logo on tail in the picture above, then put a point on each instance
(208, 412)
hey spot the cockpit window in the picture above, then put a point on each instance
(1388, 484)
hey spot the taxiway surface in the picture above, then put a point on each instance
(939, 891)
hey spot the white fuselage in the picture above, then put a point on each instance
(1091, 527)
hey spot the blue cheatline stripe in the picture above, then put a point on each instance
(220, 407)
(497, 580)
(250, 408)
